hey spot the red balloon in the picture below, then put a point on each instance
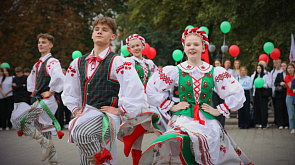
(146, 50)
(263, 57)
(234, 50)
(275, 54)
(152, 53)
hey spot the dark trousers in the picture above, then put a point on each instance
(62, 113)
(216, 100)
(281, 113)
(244, 112)
(6, 107)
(260, 108)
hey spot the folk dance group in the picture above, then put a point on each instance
(113, 97)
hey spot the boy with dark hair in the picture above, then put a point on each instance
(45, 79)
(100, 87)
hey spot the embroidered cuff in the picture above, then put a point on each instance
(52, 91)
(122, 111)
(166, 105)
(75, 110)
(223, 109)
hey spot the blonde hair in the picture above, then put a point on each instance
(263, 63)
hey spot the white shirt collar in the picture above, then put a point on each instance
(45, 57)
(102, 55)
(204, 68)
(139, 60)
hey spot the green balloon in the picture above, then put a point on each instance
(258, 82)
(268, 47)
(76, 54)
(177, 55)
(189, 26)
(225, 26)
(124, 50)
(5, 65)
(205, 29)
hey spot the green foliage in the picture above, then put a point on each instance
(68, 21)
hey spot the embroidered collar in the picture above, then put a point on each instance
(143, 61)
(204, 68)
(102, 55)
(45, 57)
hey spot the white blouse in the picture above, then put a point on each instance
(54, 70)
(6, 85)
(130, 93)
(228, 88)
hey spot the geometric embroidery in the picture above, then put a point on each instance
(222, 76)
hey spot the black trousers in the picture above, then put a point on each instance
(244, 112)
(260, 108)
(216, 100)
(281, 113)
(6, 107)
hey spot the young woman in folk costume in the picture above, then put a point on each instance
(193, 135)
(132, 130)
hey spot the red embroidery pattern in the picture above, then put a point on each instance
(126, 65)
(163, 77)
(238, 151)
(223, 149)
(223, 87)
(233, 82)
(72, 70)
(222, 76)
(52, 63)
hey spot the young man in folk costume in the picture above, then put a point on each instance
(100, 87)
(193, 134)
(132, 130)
(45, 79)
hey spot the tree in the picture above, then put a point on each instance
(68, 21)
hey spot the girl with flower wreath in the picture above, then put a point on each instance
(193, 134)
(132, 130)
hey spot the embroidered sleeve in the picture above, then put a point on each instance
(31, 80)
(229, 89)
(131, 89)
(159, 85)
(71, 95)
(153, 67)
(53, 68)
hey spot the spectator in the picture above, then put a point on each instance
(27, 71)
(216, 100)
(2, 97)
(19, 85)
(260, 98)
(227, 65)
(7, 107)
(244, 112)
(281, 113)
(273, 74)
(236, 71)
(289, 98)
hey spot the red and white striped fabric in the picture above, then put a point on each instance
(135, 36)
(197, 31)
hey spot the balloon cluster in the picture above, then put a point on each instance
(148, 51)
(269, 48)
